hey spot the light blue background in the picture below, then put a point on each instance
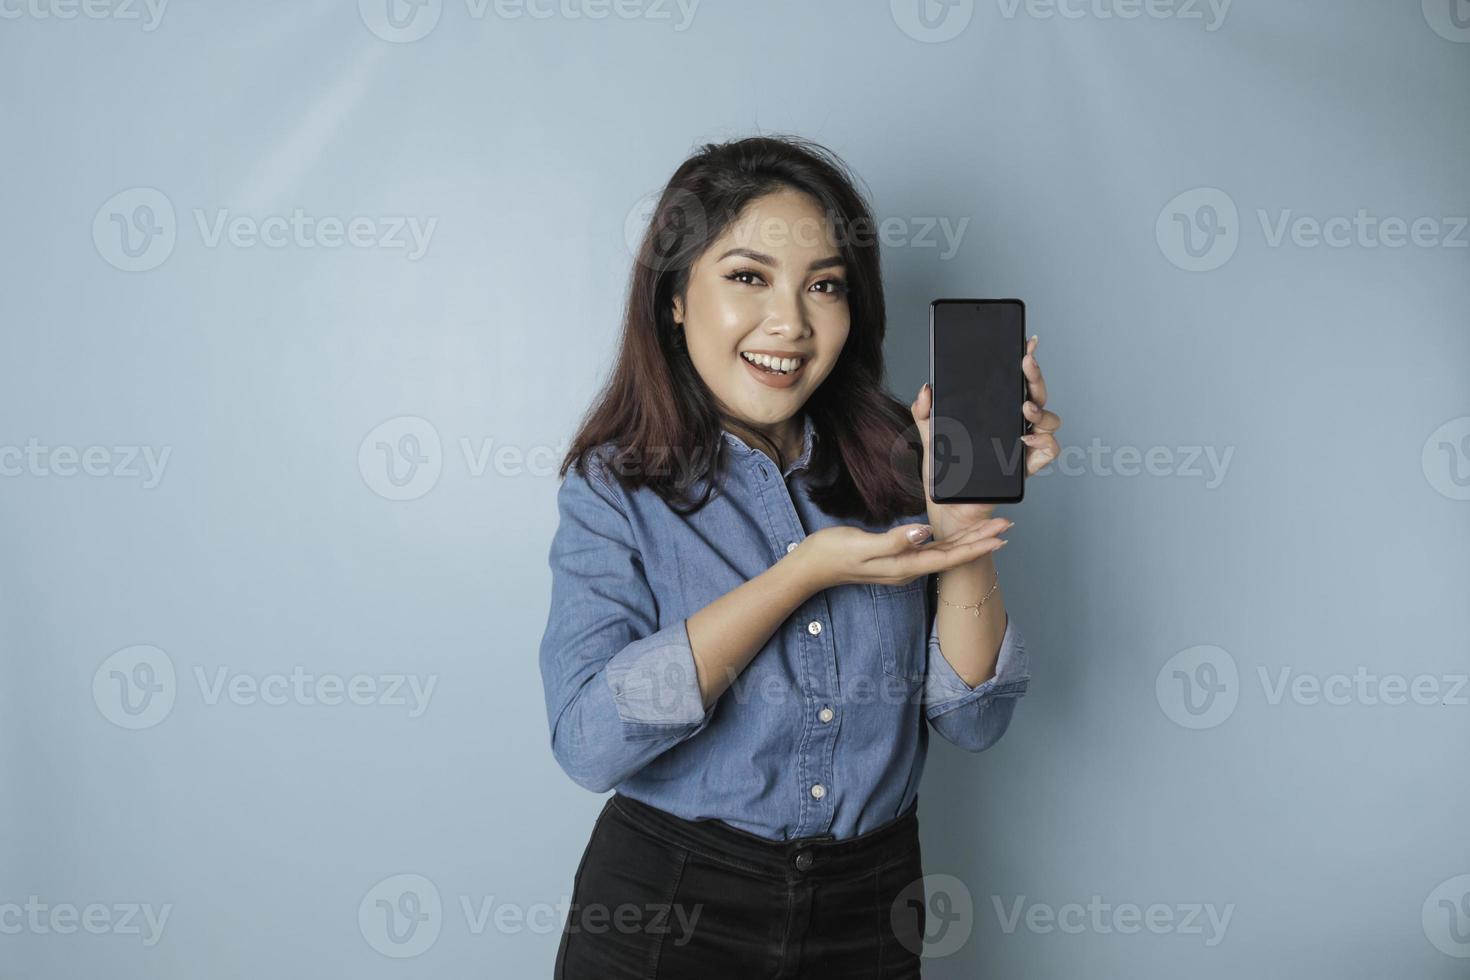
(1334, 540)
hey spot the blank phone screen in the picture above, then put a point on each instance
(975, 351)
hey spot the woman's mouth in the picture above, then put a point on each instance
(774, 372)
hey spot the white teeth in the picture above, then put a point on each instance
(784, 365)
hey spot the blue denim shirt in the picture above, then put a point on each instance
(824, 731)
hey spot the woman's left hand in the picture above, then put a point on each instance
(1041, 448)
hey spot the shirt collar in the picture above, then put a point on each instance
(808, 441)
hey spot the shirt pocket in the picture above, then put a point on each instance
(900, 619)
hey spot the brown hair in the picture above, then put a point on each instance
(657, 408)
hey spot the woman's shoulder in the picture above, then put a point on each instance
(592, 473)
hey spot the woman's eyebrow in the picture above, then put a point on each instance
(765, 259)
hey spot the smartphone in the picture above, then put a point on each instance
(975, 422)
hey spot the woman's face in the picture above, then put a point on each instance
(773, 282)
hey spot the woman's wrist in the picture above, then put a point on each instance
(942, 530)
(976, 576)
(801, 573)
(970, 586)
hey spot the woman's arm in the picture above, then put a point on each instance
(970, 694)
(620, 689)
(726, 635)
(971, 643)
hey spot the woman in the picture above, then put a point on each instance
(741, 640)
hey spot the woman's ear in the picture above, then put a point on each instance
(678, 311)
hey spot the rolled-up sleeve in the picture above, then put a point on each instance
(974, 718)
(620, 690)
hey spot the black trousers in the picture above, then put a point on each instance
(657, 897)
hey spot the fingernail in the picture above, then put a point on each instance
(1003, 543)
(917, 534)
(1010, 525)
(1036, 340)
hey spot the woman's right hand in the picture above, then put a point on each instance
(845, 554)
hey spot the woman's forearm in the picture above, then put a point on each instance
(727, 634)
(971, 643)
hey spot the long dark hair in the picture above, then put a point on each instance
(660, 415)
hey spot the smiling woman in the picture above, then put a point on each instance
(787, 558)
(780, 319)
(749, 241)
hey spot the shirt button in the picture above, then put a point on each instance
(819, 791)
(825, 714)
(791, 547)
(814, 627)
(804, 860)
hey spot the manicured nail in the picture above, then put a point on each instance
(1036, 342)
(917, 534)
(1003, 543)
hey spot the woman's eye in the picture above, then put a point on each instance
(836, 287)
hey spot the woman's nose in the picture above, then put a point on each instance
(787, 317)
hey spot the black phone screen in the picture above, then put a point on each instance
(975, 422)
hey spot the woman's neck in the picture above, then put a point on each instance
(784, 439)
